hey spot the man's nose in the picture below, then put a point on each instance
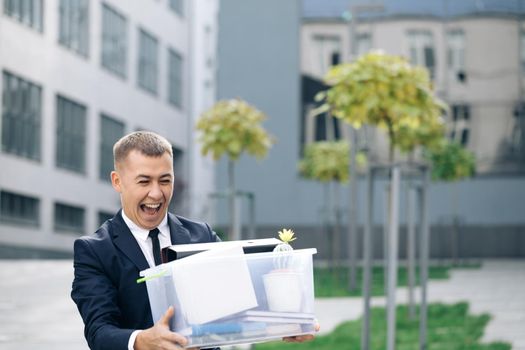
(155, 191)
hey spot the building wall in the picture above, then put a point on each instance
(492, 87)
(259, 62)
(260, 56)
(39, 58)
(204, 90)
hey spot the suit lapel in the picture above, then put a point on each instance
(124, 240)
(179, 234)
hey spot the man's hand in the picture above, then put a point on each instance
(302, 338)
(159, 336)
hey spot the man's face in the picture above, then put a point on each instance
(145, 185)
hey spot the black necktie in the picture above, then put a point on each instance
(154, 234)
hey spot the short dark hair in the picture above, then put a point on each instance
(146, 142)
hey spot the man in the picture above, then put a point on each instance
(114, 308)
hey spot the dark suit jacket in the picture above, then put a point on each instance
(107, 265)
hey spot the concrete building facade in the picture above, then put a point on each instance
(475, 60)
(268, 48)
(76, 76)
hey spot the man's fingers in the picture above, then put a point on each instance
(177, 339)
(165, 319)
(298, 338)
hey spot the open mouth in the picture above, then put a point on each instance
(151, 209)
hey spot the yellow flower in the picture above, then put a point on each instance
(286, 235)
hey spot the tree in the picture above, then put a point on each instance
(451, 163)
(385, 91)
(328, 162)
(232, 127)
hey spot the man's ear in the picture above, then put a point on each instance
(116, 181)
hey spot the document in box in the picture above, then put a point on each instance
(213, 284)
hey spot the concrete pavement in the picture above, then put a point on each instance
(37, 312)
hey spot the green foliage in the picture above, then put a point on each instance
(232, 127)
(330, 284)
(451, 162)
(386, 91)
(326, 161)
(450, 327)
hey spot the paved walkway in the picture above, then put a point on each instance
(497, 288)
(36, 311)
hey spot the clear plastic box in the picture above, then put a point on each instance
(226, 297)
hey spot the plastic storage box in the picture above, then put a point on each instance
(224, 297)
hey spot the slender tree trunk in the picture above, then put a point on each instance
(337, 229)
(327, 211)
(454, 246)
(235, 233)
(410, 239)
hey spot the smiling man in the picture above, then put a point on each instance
(114, 308)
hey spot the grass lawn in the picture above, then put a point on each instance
(334, 283)
(450, 327)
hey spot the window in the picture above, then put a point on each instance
(114, 41)
(460, 124)
(21, 117)
(19, 209)
(103, 217)
(323, 127)
(364, 43)
(74, 25)
(421, 49)
(69, 218)
(111, 131)
(148, 66)
(28, 12)
(456, 54)
(522, 48)
(177, 6)
(70, 135)
(328, 51)
(175, 78)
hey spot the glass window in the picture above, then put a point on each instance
(323, 127)
(175, 78)
(364, 43)
(21, 116)
(177, 6)
(460, 124)
(148, 62)
(69, 218)
(28, 12)
(19, 209)
(74, 25)
(103, 217)
(114, 41)
(328, 52)
(522, 53)
(70, 135)
(111, 131)
(421, 49)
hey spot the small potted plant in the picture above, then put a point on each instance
(283, 285)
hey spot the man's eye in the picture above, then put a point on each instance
(143, 182)
(165, 182)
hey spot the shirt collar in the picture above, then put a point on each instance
(142, 233)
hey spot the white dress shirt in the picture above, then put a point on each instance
(142, 237)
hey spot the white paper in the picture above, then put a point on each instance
(213, 284)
